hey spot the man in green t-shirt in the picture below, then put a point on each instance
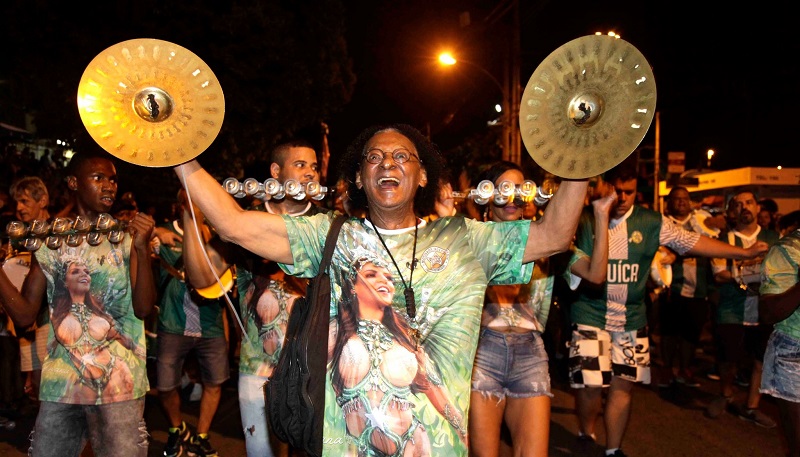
(99, 288)
(739, 337)
(610, 342)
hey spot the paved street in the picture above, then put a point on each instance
(665, 422)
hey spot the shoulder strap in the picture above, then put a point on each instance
(330, 242)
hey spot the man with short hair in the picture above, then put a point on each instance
(739, 337)
(610, 344)
(32, 199)
(685, 309)
(266, 295)
(99, 289)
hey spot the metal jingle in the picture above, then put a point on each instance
(17, 229)
(587, 106)
(151, 102)
(115, 236)
(104, 222)
(53, 242)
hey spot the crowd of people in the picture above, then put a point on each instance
(431, 299)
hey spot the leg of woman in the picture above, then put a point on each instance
(529, 422)
(790, 424)
(485, 419)
(487, 399)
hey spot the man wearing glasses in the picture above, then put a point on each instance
(610, 345)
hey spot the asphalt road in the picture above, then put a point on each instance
(664, 422)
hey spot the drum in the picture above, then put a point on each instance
(659, 272)
(17, 267)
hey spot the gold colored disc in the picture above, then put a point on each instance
(587, 106)
(151, 102)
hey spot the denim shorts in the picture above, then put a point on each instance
(781, 375)
(512, 364)
(212, 357)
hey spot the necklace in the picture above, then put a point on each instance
(408, 292)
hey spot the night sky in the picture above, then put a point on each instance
(725, 73)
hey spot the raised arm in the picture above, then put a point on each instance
(554, 231)
(142, 279)
(259, 232)
(198, 272)
(595, 267)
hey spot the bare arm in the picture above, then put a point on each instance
(23, 307)
(773, 308)
(259, 232)
(142, 281)
(711, 247)
(554, 231)
(594, 268)
(198, 272)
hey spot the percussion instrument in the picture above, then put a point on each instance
(587, 106)
(151, 102)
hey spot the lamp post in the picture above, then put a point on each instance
(507, 119)
(710, 153)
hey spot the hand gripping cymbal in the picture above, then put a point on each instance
(587, 106)
(151, 102)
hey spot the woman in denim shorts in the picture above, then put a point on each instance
(778, 305)
(510, 378)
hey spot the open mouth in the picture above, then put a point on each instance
(388, 182)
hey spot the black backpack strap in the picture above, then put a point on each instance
(330, 242)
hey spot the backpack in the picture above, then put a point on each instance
(295, 392)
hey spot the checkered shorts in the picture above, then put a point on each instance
(595, 355)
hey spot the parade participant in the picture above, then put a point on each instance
(778, 306)
(443, 266)
(266, 293)
(33, 200)
(741, 341)
(610, 346)
(188, 322)
(684, 312)
(510, 379)
(94, 376)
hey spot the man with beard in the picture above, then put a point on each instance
(739, 336)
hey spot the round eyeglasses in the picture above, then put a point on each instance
(400, 156)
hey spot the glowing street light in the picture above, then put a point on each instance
(504, 108)
(709, 154)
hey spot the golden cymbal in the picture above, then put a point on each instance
(587, 106)
(151, 102)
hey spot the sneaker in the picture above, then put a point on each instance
(199, 446)
(617, 453)
(742, 380)
(757, 417)
(176, 441)
(667, 383)
(718, 406)
(688, 381)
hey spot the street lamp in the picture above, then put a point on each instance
(710, 154)
(447, 59)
